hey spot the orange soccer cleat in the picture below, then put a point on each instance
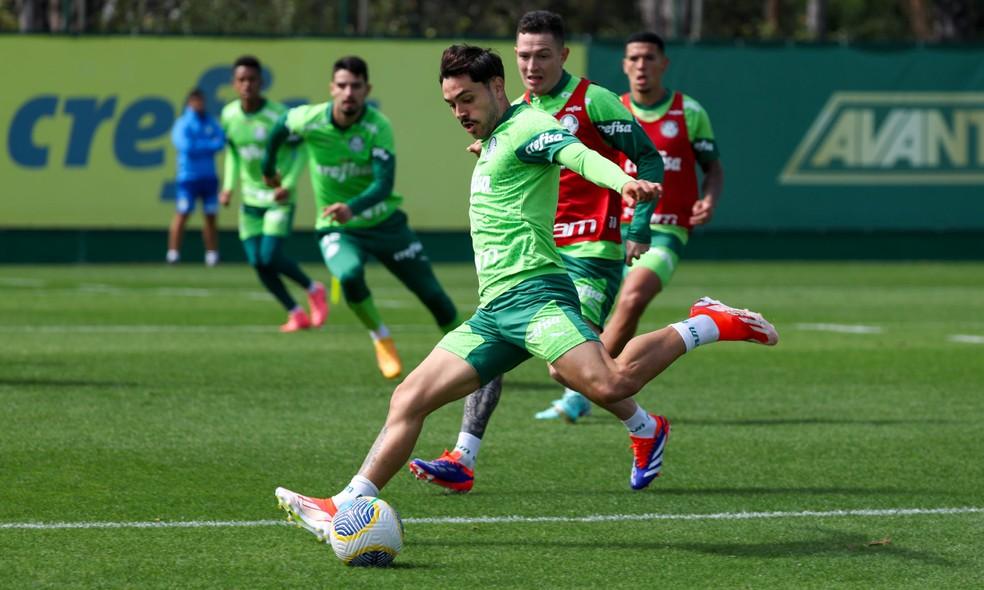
(736, 324)
(296, 321)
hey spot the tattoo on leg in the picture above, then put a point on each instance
(479, 406)
(373, 452)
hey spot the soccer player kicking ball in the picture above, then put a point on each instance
(681, 129)
(353, 164)
(527, 303)
(586, 230)
(266, 214)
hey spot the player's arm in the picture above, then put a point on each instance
(620, 130)
(213, 143)
(709, 160)
(383, 178)
(601, 171)
(297, 157)
(278, 137)
(230, 173)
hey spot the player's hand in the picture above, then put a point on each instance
(633, 250)
(280, 194)
(225, 197)
(340, 212)
(475, 148)
(640, 191)
(702, 212)
(272, 181)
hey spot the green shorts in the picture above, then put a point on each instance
(597, 281)
(275, 221)
(664, 252)
(539, 317)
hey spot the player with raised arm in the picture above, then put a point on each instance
(352, 158)
(586, 230)
(528, 305)
(266, 215)
(681, 129)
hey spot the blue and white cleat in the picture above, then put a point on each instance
(446, 471)
(647, 460)
(570, 407)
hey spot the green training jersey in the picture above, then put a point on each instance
(698, 124)
(355, 165)
(247, 135)
(514, 200)
(618, 129)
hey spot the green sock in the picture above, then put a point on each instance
(367, 313)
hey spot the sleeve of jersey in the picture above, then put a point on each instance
(178, 136)
(592, 166)
(542, 147)
(278, 135)
(383, 173)
(298, 155)
(703, 142)
(621, 131)
(231, 170)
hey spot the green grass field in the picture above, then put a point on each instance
(145, 394)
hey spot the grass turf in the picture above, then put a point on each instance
(143, 393)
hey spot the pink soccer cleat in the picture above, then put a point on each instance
(318, 303)
(736, 324)
(296, 321)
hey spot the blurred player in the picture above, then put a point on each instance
(528, 305)
(353, 165)
(586, 228)
(681, 129)
(266, 215)
(197, 137)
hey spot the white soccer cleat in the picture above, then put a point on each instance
(311, 514)
(736, 324)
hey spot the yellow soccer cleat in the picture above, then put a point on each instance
(387, 358)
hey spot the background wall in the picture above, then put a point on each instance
(829, 151)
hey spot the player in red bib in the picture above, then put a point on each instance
(681, 130)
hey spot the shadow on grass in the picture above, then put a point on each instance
(835, 544)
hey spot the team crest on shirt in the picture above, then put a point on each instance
(669, 129)
(490, 149)
(259, 133)
(570, 123)
(356, 144)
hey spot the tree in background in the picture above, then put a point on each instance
(804, 20)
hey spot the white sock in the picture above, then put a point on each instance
(641, 424)
(359, 486)
(211, 258)
(697, 331)
(173, 256)
(380, 333)
(315, 285)
(468, 445)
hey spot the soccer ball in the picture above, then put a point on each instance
(366, 532)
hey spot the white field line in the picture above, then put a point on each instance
(840, 328)
(862, 512)
(156, 329)
(966, 338)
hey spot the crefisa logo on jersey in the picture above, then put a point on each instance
(892, 138)
(356, 144)
(570, 123)
(669, 129)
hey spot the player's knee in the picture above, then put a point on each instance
(407, 400)
(634, 301)
(608, 389)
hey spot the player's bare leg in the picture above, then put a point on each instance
(640, 287)
(174, 235)
(210, 236)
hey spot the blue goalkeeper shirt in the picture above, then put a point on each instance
(197, 138)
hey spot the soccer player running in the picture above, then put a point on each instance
(352, 159)
(197, 137)
(681, 129)
(266, 215)
(528, 305)
(586, 231)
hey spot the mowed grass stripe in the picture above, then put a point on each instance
(516, 519)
